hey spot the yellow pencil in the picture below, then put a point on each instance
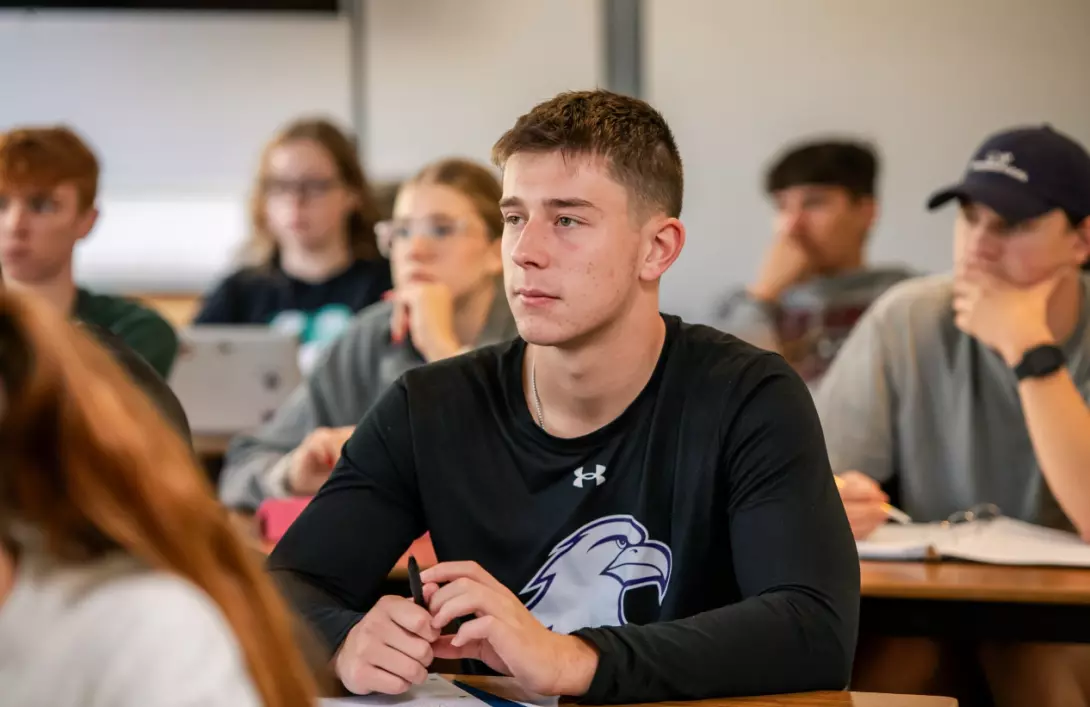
(895, 514)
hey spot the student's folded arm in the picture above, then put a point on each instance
(1058, 421)
(335, 395)
(796, 567)
(856, 400)
(333, 560)
(250, 473)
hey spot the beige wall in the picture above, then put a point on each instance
(449, 77)
(177, 107)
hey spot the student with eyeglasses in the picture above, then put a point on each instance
(311, 261)
(443, 244)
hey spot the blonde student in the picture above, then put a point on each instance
(121, 580)
(444, 244)
(311, 260)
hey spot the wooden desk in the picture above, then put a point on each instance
(210, 446)
(211, 449)
(987, 602)
(956, 581)
(178, 308)
(503, 687)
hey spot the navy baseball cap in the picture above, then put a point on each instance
(1024, 173)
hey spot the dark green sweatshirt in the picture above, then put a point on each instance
(144, 331)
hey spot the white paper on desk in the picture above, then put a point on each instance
(1005, 541)
(894, 541)
(433, 692)
(1002, 541)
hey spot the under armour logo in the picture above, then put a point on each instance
(598, 476)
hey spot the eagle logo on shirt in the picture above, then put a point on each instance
(584, 581)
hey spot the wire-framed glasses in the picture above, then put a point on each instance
(437, 229)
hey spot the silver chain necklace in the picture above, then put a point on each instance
(537, 398)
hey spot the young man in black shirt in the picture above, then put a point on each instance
(625, 507)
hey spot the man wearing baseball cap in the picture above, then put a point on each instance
(968, 389)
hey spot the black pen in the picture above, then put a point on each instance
(415, 585)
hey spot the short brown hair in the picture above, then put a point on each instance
(631, 135)
(474, 181)
(41, 158)
(261, 248)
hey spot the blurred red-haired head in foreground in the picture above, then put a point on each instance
(92, 467)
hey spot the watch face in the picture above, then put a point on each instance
(1040, 361)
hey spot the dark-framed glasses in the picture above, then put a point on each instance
(305, 189)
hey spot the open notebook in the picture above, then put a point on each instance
(998, 541)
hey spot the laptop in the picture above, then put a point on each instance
(232, 379)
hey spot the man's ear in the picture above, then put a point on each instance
(85, 222)
(1082, 243)
(869, 205)
(665, 239)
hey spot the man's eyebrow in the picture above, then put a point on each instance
(554, 203)
(570, 203)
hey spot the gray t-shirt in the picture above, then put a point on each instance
(812, 319)
(111, 634)
(914, 400)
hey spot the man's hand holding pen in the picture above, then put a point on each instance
(391, 648)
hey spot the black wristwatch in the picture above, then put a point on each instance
(1040, 361)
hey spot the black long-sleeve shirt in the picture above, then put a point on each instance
(697, 541)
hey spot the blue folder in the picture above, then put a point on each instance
(486, 697)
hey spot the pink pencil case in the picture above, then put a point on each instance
(276, 515)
